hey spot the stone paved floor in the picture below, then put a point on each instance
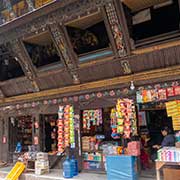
(57, 175)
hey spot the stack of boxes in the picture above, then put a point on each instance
(134, 148)
(86, 143)
(41, 163)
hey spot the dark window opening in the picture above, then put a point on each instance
(153, 21)
(9, 66)
(88, 35)
(42, 50)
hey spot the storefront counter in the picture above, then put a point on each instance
(161, 164)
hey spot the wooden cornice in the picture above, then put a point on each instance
(137, 78)
(156, 47)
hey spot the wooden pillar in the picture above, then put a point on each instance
(117, 26)
(123, 22)
(4, 147)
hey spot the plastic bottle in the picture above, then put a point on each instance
(74, 163)
(67, 168)
(18, 147)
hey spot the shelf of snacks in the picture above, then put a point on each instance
(92, 126)
(24, 131)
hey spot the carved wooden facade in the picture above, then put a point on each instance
(53, 19)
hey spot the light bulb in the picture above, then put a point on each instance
(132, 87)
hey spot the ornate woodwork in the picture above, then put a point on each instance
(144, 77)
(8, 6)
(22, 57)
(71, 10)
(64, 51)
(30, 5)
(116, 29)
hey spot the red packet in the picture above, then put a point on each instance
(170, 91)
(177, 90)
(162, 94)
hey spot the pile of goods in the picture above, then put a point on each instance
(123, 119)
(169, 154)
(134, 148)
(41, 163)
(92, 118)
(157, 94)
(66, 135)
(90, 143)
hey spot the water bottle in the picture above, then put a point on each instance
(74, 163)
(18, 147)
(67, 168)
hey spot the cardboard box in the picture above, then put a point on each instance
(41, 171)
(42, 156)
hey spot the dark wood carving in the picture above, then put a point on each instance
(67, 13)
(116, 29)
(22, 57)
(64, 51)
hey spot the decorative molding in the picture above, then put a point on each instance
(23, 58)
(8, 6)
(63, 49)
(159, 74)
(126, 67)
(116, 29)
(1, 94)
(67, 13)
(30, 5)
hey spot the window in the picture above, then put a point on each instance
(9, 66)
(153, 21)
(42, 50)
(88, 34)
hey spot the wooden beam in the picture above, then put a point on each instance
(138, 77)
(64, 47)
(22, 56)
(156, 47)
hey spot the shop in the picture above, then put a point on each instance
(109, 129)
(158, 107)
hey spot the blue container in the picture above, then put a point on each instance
(121, 167)
(74, 163)
(67, 168)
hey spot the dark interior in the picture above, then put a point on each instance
(9, 66)
(162, 20)
(88, 39)
(41, 50)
